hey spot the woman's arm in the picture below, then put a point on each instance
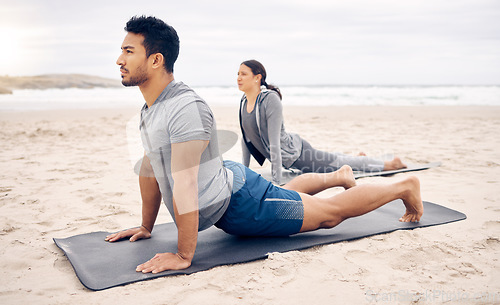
(274, 118)
(245, 153)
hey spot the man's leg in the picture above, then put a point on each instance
(312, 183)
(359, 200)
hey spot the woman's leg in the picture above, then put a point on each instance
(313, 160)
(359, 200)
(312, 183)
(368, 164)
(394, 164)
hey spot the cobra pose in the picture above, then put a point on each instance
(265, 137)
(183, 168)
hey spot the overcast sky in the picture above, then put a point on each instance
(299, 42)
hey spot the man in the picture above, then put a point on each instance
(182, 166)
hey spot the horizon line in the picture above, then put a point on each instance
(284, 85)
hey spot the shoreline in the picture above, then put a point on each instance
(364, 111)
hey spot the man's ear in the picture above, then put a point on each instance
(157, 60)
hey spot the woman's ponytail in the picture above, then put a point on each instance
(274, 88)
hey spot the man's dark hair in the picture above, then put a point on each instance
(159, 37)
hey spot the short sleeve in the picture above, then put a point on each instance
(190, 121)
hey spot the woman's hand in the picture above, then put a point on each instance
(134, 234)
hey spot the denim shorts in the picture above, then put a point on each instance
(259, 208)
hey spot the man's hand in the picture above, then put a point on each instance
(134, 234)
(164, 261)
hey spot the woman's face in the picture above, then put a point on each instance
(247, 80)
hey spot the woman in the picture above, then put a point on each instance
(264, 135)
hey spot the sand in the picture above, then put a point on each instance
(69, 172)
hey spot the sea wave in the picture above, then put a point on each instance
(33, 99)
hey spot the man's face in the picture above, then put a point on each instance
(133, 61)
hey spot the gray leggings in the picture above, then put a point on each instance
(312, 160)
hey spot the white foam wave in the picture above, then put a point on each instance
(292, 95)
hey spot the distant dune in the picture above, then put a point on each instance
(60, 81)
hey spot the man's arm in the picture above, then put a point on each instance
(150, 194)
(185, 163)
(151, 200)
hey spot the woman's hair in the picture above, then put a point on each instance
(257, 68)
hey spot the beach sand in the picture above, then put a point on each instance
(69, 172)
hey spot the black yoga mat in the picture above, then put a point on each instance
(100, 265)
(288, 175)
(410, 168)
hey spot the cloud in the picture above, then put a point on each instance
(339, 42)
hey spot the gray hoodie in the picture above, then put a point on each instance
(269, 138)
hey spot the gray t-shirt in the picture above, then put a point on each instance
(249, 123)
(180, 115)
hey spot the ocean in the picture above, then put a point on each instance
(49, 99)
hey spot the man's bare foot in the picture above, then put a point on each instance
(346, 177)
(412, 200)
(394, 164)
(362, 154)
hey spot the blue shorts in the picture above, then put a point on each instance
(259, 208)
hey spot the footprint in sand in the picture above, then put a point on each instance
(492, 226)
(463, 270)
(5, 189)
(7, 228)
